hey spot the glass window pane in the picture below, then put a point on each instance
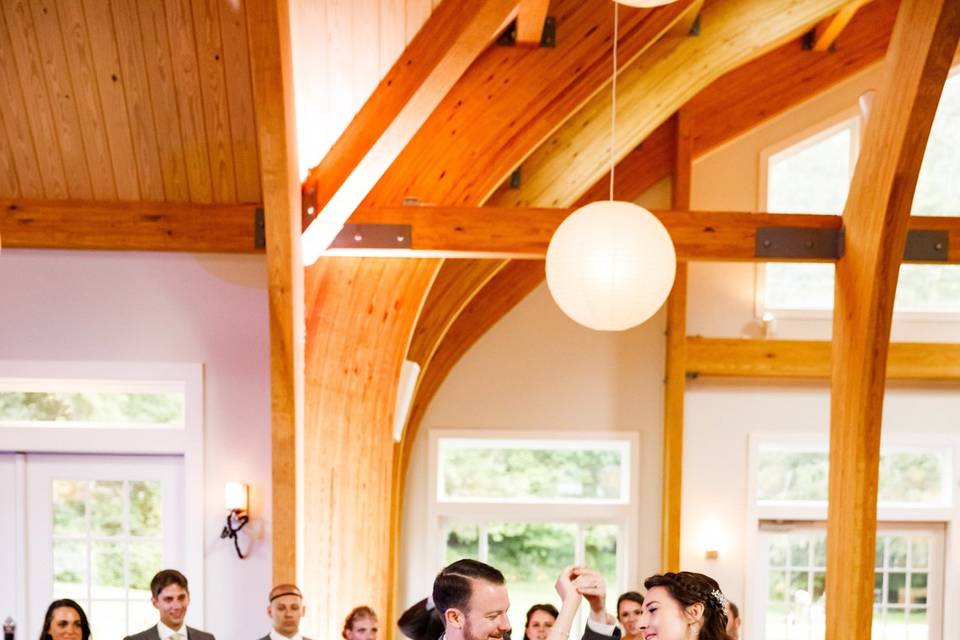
(912, 477)
(819, 584)
(146, 504)
(531, 556)
(792, 475)
(97, 408)
(881, 553)
(777, 590)
(820, 551)
(800, 585)
(938, 192)
(797, 285)
(799, 551)
(919, 553)
(918, 588)
(918, 624)
(142, 615)
(877, 589)
(537, 471)
(777, 556)
(69, 569)
(896, 588)
(108, 618)
(463, 541)
(811, 178)
(600, 552)
(145, 560)
(897, 552)
(69, 507)
(106, 508)
(107, 563)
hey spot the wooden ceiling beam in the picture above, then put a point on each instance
(451, 39)
(498, 232)
(650, 90)
(131, 226)
(826, 33)
(876, 219)
(531, 15)
(812, 359)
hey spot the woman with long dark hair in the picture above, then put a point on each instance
(65, 620)
(629, 611)
(684, 606)
(540, 617)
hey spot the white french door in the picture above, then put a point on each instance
(94, 528)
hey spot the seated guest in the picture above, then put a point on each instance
(285, 608)
(733, 621)
(629, 609)
(171, 597)
(361, 624)
(683, 606)
(470, 602)
(540, 617)
(65, 620)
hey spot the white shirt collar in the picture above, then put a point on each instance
(165, 631)
(276, 635)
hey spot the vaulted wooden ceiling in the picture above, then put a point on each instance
(116, 108)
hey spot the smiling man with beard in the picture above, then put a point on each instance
(470, 602)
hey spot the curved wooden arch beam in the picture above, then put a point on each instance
(875, 218)
(504, 291)
(652, 89)
(360, 313)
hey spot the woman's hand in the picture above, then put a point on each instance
(591, 585)
(566, 584)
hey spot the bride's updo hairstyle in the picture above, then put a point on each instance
(689, 588)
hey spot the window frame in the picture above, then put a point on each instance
(623, 514)
(144, 440)
(890, 516)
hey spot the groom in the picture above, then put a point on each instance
(171, 597)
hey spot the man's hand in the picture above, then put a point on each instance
(590, 584)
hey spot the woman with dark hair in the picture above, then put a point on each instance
(684, 606)
(629, 610)
(540, 617)
(65, 620)
(361, 624)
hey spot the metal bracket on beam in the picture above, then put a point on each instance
(695, 27)
(925, 245)
(259, 229)
(548, 38)
(799, 243)
(515, 179)
(308, 205)
(373, 236)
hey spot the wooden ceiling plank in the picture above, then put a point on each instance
(17, 129)
(826, 33)
(495, 116)
(452, 38)
(163, 96)
(189, 99)
(213, 90)
(686, 23)
(126, 226)
(812, 359)
(93, 121)
(876, 218)
(8, 171)
(63, 100)
(26, 56)
(272, 80)
(136, 89)
(243, 126)
(531, 15)
(113, 100)
(650, 90)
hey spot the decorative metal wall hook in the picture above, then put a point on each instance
(230, 531)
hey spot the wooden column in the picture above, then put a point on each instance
(876, 218)
(360, 315)
(675, 377)
(269, 34)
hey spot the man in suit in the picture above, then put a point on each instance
(171, 597)
(285, 609)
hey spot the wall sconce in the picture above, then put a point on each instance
(713, 539)
(236, 499)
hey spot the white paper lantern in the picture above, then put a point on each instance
(645, 4)
(610, 265)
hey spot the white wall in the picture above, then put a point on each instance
(211, 309)
(536, 370)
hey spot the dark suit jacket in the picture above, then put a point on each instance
(153, 634)
(267, 637)
(590, 634)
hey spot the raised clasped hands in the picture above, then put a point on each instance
(576, 581)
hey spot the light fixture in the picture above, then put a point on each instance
(713, 539)
(610, 265)
(236, 498)
(645, 4)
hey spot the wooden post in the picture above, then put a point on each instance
(876, 218)
(270, 58)
(675, 377)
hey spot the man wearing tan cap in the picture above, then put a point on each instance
(285, 609)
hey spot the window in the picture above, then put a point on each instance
(812, 175)
(915, 498)
(532, 505)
